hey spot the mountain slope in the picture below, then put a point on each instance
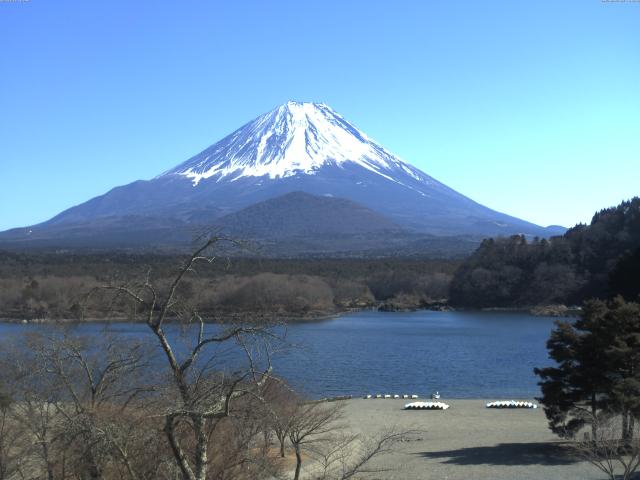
(299, 214)
(297, 147)
(299, 224)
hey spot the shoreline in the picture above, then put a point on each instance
(286, 317)
(557, 311)
(222, 319)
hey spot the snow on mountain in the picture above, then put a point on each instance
(294, 138)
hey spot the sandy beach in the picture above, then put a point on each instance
(467, 441)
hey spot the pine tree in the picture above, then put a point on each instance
(597, 369)
(623, 355)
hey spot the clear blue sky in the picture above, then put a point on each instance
(529, 107)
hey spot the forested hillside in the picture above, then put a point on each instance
(597, 260)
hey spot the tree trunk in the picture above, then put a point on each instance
(201, 447)
(178, 453)
(296, 476)
(266, 441)
(282, 448)
(93, 470)
(45, 456)
(594, 426)
(625, 428)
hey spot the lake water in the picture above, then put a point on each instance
(460, 354)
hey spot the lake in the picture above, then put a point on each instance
(460, 354)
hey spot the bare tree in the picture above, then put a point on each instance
(280, 406)
(312, 424)
(12, 440)
(614, 451)
(350, 454)
(78, 401)
(81, 405)
(317, 430)
(99, 385)
(200, 393)
(34, 413)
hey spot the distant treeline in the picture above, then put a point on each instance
(55, 285)
(597, 260)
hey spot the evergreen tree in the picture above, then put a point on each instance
(597, 368)
(625, 277)
(623, 355)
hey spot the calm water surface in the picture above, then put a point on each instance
(461, 354)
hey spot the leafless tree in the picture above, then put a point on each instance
(312, 424)
(34, 412)
(83, 405)
(279, 408)
(614, 454)
(318, 430)
(12, 440)
(350, 454)
(77, 403)
(200, 393)
(98, 386)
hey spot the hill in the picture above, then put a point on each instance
(596, 260)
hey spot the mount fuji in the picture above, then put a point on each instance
(244, 184)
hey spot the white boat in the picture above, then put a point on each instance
(511, 404)
(426, 406)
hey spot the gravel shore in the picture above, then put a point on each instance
(467, 441)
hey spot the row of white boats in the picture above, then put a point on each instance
(511, 404)
(426, 406)
(444, 406)
(386, 395)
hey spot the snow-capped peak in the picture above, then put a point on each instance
(294, 138)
